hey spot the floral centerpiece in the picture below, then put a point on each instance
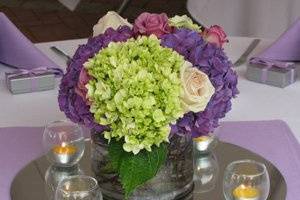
(139, 85)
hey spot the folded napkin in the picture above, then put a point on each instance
(284, 51)
(18, 52)
(274, 141)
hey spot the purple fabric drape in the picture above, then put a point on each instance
(284, 49)
(19, 52)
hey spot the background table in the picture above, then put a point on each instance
(255, 101)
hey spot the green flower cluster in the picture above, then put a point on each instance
(184, 22)
(135, 90)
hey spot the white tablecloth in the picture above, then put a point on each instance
(255, 101)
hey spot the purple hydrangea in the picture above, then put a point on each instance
(72, 104)
(211, 60)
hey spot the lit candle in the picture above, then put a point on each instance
(203, 143)
(202, 138)
(64, 149)
(243, 192)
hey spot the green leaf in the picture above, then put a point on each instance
(135, 170)
(115, 152)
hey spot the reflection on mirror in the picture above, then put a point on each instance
(55, 174)
(206, 170)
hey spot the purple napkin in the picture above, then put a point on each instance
(283, 51)
(274, 141)
(17, 51)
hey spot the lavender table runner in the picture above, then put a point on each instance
(18, 146)
(271, 139)
(19, 52)
(274, 141)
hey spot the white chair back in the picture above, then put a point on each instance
(249, 18)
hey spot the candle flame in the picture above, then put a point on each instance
(244, 191)
(201, 138)
(64, 148)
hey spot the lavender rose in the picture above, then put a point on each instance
(80, 89)
(147, 24)
(215, 34)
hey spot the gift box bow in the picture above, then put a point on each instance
(34, 72)
(267, 64)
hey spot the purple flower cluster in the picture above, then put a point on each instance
(212, 60)
(71, 103)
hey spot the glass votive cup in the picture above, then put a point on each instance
(63, 143)
(246, 180)
(78, 187)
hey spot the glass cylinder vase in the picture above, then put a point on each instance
(173, 181)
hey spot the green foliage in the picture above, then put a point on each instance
(135, 170)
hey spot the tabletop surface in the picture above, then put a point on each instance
(30, 182)
(255, 101)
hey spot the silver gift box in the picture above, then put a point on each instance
(275, 76)
(24, 83)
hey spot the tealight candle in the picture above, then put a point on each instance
(64, 154)
(243, 192)
(205, 143)
(64, 149)
(202, 138)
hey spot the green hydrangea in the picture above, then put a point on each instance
(184, 22)
(135, 90)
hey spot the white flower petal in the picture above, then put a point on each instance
(111, 19)
(193, 81)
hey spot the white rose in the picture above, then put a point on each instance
(111, 19)
(197, 88)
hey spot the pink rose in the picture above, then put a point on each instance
(80, 89)
(147, 24)
(215, 34)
